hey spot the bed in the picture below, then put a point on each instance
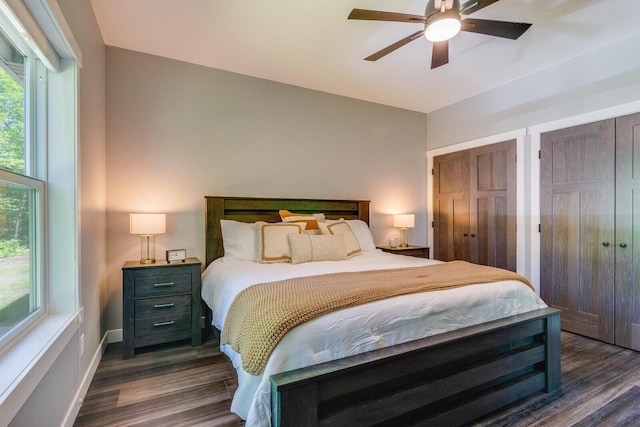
(472, 359)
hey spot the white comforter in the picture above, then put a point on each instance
(354, 330)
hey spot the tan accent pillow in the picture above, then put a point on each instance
(273, 244)
(341, 227)
(308, 248)
(310, 219)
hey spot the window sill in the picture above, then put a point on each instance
(27, 361)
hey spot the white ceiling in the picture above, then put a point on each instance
(310, 43)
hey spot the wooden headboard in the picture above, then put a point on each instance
(250, 209)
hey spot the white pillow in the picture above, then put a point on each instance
(341, 227)
(363, 234)
(307, 248)
(273, 243)
(239, 239)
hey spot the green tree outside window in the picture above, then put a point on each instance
(14, 206)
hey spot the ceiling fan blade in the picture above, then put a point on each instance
(474, 6)
(397, 45)
(508, 30)
(377, 15)
(440, 54)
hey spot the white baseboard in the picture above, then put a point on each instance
(114, 335)
(73, 410)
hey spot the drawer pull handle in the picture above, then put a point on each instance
(605, 244)
(170, 322)
(167, 305)
(623, 245)
(162, 285)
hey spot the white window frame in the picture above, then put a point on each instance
(37, 258)
(25, 361)
(35, 100)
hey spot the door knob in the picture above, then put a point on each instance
(465, 235)
(623, 245)
(473, 235)
(605, 244)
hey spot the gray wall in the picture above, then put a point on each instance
(177, 132)
(48, 404)
(92, 143)
(602, 78)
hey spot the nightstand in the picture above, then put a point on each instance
(416, 251)
(160, 303)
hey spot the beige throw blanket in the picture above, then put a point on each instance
(262, 314)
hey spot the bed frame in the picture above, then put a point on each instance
(447, 379)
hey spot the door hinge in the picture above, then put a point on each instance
(433, 224)
(539, 229)
(539, 154)
(433, 172)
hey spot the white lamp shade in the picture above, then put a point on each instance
(147, 223)
(404, 221)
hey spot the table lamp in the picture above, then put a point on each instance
(147, 225)
(404, 221)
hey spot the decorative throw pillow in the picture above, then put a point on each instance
(307, 248)
(310, 219)
(273, 244)
(363, 233)
(341, 227)
(239, 240)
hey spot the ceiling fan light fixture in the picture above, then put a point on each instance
(442, 26)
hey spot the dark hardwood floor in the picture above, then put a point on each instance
(168, 386)
(185, 386)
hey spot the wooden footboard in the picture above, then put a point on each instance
(448, 379)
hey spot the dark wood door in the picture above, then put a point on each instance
(577, 226)
(627, 306)
(492, 195)
(451, 206)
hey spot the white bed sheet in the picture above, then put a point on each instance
(354, 330)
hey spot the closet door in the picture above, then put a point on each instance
(577, 226)
(451, 206)
(628, 232)
(493, 205)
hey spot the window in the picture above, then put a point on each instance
(38, 187)
(21, 196)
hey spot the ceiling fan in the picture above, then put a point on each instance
(442, 21)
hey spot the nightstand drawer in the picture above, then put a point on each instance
(418, 253)
(167, 325)
(166, 284)
(162, 306)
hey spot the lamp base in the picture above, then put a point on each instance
(404, 243)
(147, 249)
